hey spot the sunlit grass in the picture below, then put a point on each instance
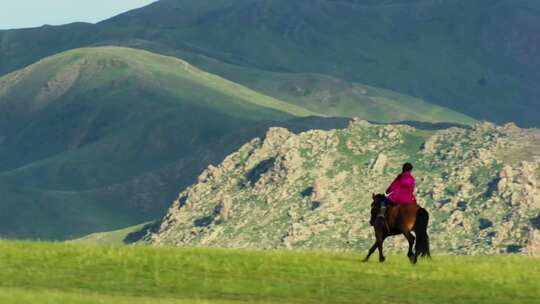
(69, 273)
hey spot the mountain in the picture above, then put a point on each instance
(313, 190)
(457, 54)
(92, 102)
(332, 96)
(100, 138)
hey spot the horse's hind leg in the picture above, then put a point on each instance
(371, 250)
(410, 253)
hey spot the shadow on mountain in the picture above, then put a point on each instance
(138, 235)
(307, 192)
(203, 221)
(535, 222)
(484, 223)
(255, 174)
(426, 125)
(492, 187)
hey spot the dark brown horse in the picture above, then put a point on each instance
(401, 219)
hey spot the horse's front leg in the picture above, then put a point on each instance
(371, 250)
(380, 241)
(411, 239)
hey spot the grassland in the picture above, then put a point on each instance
(69, 273)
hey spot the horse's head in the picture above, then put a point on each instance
(377, 200)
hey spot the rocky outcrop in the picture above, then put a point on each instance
(313, 190)
(379, 164)
(533, 243)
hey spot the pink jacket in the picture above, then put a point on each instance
(402, 190)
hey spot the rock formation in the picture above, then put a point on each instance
(313, 190)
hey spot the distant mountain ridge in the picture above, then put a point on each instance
(454, 53)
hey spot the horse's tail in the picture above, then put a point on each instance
(420, 229)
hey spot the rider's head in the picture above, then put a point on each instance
(407, 167)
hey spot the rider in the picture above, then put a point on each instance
(401, 191)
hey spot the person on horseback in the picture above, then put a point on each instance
(401, 191)
(405, 218)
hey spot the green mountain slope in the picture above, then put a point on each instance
(454, 53)
(109, 100)
(331, 96)
(98, 138)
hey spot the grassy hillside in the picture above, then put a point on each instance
(60, 273)
(90, 101)
(328, 95)
(304, 93)
(101, 138)
(454, 53)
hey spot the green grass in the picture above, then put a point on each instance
(413, 145)
(68, 273)
(116, 237)
(452, 190)
(21, 296)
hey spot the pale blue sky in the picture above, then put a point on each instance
(33, 13)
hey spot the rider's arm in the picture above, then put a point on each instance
(394, 185)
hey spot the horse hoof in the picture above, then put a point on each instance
(381, 260)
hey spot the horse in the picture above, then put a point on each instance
(400, 219)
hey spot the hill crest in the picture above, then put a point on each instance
(456, 54)
(89, 65)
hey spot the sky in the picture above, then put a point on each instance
(34, 13)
